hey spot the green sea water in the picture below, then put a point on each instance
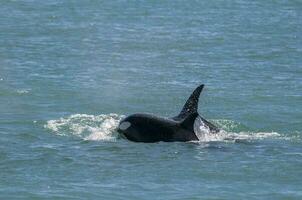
(70, 70)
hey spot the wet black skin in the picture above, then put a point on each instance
(150, 128)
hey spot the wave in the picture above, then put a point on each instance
(103, 127)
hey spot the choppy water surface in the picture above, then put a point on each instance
(71, 70)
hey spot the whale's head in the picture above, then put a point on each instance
(143, 127)
(129, 126)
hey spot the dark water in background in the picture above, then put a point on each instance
(65, 66)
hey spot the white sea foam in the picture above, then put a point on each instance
(103, 127)
(233, 137)
(88, 127)
(204, 135)
(23, 91)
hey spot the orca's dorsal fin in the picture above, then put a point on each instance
(191, 105)
(188, 122)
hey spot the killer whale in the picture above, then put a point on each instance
(149, 128)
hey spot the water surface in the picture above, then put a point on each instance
(70, 70)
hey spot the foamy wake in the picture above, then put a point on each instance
(88, 127)
(225, 134)
(103, 127)
(235, 137)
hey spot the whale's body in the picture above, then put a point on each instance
(143, 127)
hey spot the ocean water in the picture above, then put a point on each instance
(70, 70)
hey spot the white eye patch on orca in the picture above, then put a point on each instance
(124, 125)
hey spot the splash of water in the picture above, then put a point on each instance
(88, 127)
(204, 134)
